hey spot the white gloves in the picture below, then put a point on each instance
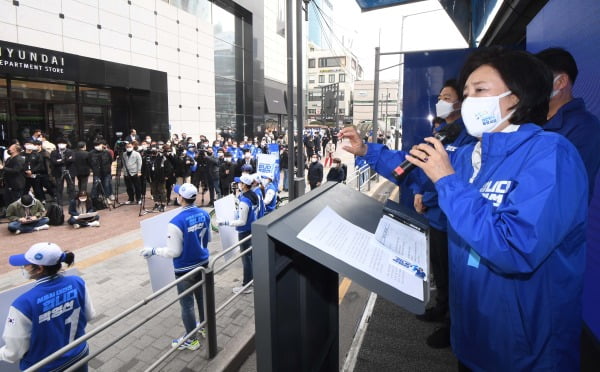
(147, 252)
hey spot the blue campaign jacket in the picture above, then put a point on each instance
(54, 305)
(516, 252)
(194, 224)
(582, 129)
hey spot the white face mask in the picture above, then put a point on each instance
(228, 160)
(483, 114)
(443, 108)
(248, 155)
(556, 91)
(129, 149)
(26, 274)
(98, 148)
(30, 147)
(314, 160)
(62, 146)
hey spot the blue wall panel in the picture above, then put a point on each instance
(574, 25)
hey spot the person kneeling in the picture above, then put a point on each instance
(82, 212)
(26, 215)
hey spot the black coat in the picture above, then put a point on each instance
(100, 162)
(315, 173)
(336, 174)
(81, 163)
(14, 178)
(61, 162)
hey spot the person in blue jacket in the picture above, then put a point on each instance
(187, 244)
(425, 202)
(50, 315)
(516, 204)
(569, 117)
(248, 209)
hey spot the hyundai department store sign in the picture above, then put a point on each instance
(27, 61)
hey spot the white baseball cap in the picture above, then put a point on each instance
(187, 190)
(43, 254)
(245, 178)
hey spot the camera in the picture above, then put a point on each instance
(120, 144)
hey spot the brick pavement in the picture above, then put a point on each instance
(117, 278)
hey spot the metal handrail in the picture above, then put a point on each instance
(208, 284)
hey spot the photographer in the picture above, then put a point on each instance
(211, 171)
(226, 174)
(63, 167)
(183, 164)
(14, 178)
(158, 169)
(81, 165)
(101, 163)
(131, 161)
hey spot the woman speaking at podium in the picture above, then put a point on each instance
(516, 203)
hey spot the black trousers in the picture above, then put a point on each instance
(134, 187)
(590, 351)
(60, 184)
(438, 252)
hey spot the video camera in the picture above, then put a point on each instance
(120, 144)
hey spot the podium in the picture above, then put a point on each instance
(296, 284)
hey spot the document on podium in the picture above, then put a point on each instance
(396, 254)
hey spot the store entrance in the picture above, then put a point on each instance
(28, 116)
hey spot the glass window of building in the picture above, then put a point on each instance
(321, 78)
(332, 78)
(94, 95)
(311, 63)
(33, 90)
(342, 78)
(3, 92)
(332, 61)
(341, 95)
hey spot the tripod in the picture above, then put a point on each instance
(143, 209)
(116, 202)
(101, 194)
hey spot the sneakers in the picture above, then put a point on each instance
(129, 202)
(190, 344)
(139, 202)
(440, 338)
(161, 208)
(43, 227)
(94, 224)
(155, 207)
(17, 232)
(202, 332)
(111, 197)
(76, 226)
(237, 290)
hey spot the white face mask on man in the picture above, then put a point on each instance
(443, 109)
(483, 114)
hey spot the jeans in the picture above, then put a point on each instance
(247, 258)
(27, 228)
(187, 302)
(217, 186)
(72, 221)
(285, 180)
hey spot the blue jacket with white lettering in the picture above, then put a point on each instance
(194, 224)
(516, 252)
(56, 310)
(516, 264)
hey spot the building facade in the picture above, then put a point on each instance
(80, 68)
(331, 78)
(388, 111)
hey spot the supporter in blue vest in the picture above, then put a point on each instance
(516, 205)
(50, 315)
(270, 199)
(187, 244)
(569, 117)
(248, 206)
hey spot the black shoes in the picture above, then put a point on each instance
(433, 314)
(440, 338)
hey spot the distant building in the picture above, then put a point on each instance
(389, 102)
(332, 72)
(320, 19)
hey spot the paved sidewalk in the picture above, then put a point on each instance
(117, 277)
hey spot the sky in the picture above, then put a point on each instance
(363, 31)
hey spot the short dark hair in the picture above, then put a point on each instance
(80, 144)
(452, 83)
(559, 60)
(26, 199)
(526, 76)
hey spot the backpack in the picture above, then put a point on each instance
(99, 203)
(55, 215)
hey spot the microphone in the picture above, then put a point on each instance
(446, 136)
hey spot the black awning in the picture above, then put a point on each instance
(275, 101)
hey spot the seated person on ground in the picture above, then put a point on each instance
(82, 212)
(26, 215)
